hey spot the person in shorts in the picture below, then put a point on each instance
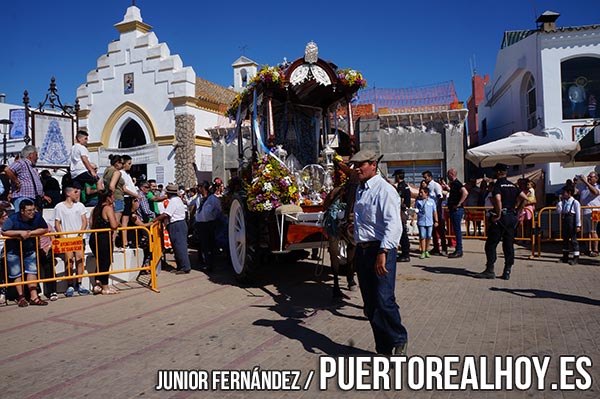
(23, 228)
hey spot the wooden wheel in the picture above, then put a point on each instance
(238, 238)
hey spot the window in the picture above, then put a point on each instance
(580, 85)
(530, 104)
(484, 127)
(244, 76)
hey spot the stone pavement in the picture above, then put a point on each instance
(112, 346)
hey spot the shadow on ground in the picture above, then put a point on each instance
(544, 294)
(300, 291)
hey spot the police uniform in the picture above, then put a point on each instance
(503, 228)
(405, 197)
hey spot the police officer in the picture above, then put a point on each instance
(507, 200)
(404, 192)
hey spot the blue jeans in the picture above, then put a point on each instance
(178, 232)
(456, 217)
(379, 299)
(13, 260)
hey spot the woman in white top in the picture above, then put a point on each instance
(130, 192)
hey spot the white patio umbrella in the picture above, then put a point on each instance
(521, 148)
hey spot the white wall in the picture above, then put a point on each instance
(541, 55)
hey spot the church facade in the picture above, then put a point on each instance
(141, 100)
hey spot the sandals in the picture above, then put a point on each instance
(109, 291)
(36, 302)
(97, 290)
(22, 302)
(593, 254)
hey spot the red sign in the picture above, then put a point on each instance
(62, 245)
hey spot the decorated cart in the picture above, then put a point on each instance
(300, 118)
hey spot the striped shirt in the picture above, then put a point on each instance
(144, 210)
(25, 172)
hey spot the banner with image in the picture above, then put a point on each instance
(53, 137)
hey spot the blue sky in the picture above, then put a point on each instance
(393, 43)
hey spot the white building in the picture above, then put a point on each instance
(544, 82)
(142, 100)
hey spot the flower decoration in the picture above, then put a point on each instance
(351, 77)
(269, 74)
(238, 99)
(270, 185)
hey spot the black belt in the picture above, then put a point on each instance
(369, 244)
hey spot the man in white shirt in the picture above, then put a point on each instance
(177, 227)
(82, 170)
(440, 245)
(70, 215)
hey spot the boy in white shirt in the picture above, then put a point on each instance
(70, 215)
(82, 170)
(570, 214)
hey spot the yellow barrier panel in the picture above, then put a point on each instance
(75, 244)
(524, 229)
(549, 225)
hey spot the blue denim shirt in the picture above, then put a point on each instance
(377, 213)
(15, 222)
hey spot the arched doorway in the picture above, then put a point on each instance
(132, 135)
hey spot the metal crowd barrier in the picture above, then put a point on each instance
(63, 242)
(549, 226)
(525, 229)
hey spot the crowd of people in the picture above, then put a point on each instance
(440, 202)
(117, 200)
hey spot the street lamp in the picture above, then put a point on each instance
(5, 126)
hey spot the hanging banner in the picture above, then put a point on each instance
(17, 131)
(53, 137)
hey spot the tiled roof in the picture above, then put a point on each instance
(213, 92)
(512, 37)
(515, 36)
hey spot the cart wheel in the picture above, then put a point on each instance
(238, 238)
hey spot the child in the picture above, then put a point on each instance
(569, 210)
(427, 218)
(529, 208)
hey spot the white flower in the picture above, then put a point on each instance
(267, 187)
(268, 206)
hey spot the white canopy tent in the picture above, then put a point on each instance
(523, 148)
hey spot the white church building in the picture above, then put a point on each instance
(141, 100)
(546, 81)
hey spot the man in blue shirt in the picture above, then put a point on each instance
(377, 232)
(24, 227)
(207, 212)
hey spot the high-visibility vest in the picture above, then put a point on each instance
(166, 238)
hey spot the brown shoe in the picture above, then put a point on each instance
(38, 302)
(22, 302)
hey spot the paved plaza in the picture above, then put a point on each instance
(113, 346)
